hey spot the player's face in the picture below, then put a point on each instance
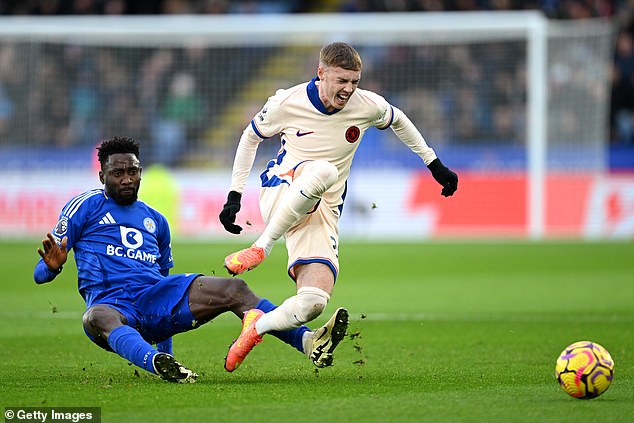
(121, 176)
(336, 86)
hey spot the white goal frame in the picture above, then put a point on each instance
(360, 28)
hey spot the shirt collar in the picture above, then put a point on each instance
(313, 95)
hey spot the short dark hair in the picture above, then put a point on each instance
(341, 55)
(117, 145)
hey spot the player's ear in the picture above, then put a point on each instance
(101, 177)
(320, 72)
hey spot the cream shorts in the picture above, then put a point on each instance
(313, 239)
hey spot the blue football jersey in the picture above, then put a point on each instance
(119, 250)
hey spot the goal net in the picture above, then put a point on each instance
(507, 95)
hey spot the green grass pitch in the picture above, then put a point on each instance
(440, 332)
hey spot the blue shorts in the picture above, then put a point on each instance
(157, 312)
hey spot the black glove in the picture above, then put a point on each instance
(229, 211)
(444, 176)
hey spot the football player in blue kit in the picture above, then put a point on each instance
(123, 255)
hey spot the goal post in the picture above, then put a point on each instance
(536, 127)
(509, 94)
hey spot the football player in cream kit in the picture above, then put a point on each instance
(321, 124)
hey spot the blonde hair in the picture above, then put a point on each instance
(341, 55)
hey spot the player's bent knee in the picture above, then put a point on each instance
(237, 289)
(100, 319)
(325, 171)
(310, 303)
(318, 176)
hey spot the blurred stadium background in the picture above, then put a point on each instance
(531, 101)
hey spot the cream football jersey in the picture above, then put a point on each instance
(309, 132)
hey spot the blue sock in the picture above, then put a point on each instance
(165, 346)
(292, 337)
(129, 344)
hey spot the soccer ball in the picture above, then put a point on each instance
(584, 370)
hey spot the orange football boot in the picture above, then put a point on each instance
(248, 339)
(243, 260)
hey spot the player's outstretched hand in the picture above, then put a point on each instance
(229, 212)
(444, 176)
(54, 255)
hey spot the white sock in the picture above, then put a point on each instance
(307, 342)
(294, 311)
(282, 318)
(305, 191)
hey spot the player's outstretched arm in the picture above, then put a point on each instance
(410, 136)
(53, 258)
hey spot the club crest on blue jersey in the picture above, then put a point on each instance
(131, 238)
(149, 224)
(61, 227)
